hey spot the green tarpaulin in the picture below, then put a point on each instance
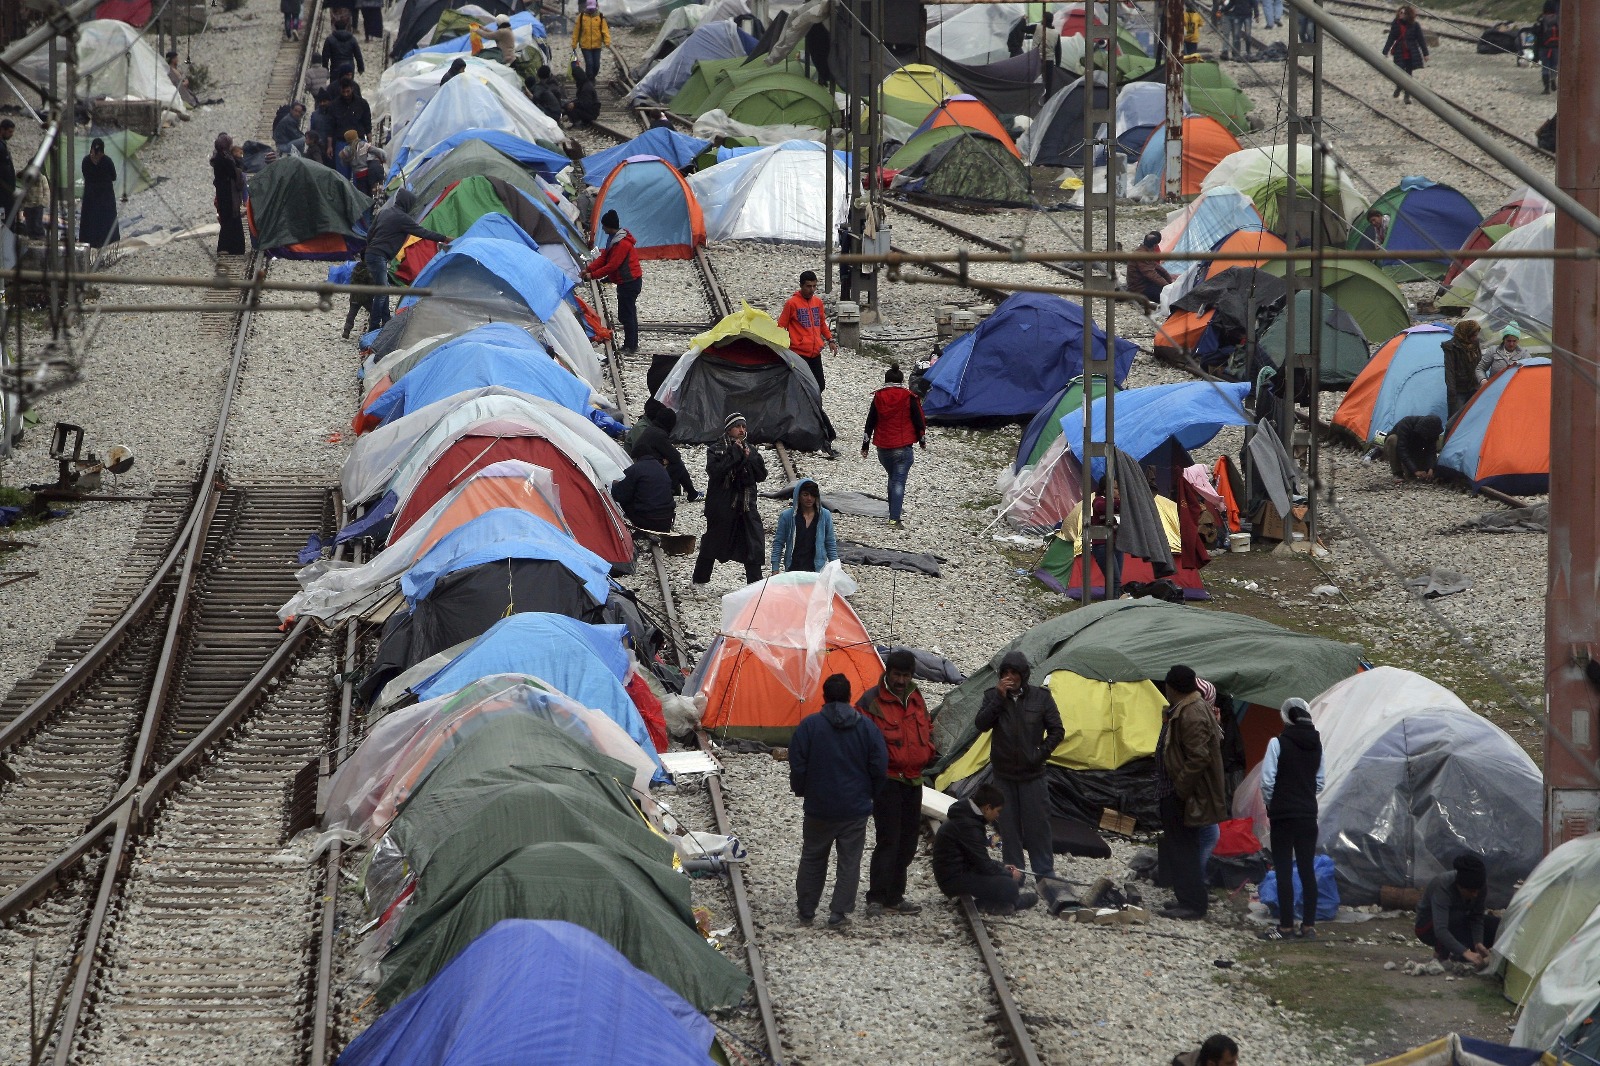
(1138, 640)
(294, 200)
(1364, 290)
(1344, 349)
(1210, 91)
(1071, 400)
(923, 143)
(474, 158)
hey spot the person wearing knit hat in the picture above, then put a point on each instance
(1508, 353)
(1291, 779)
(1451, 916)
(1189, 789)
(618, 263)
(733, 520)
(504, 41)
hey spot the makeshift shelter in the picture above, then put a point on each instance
(744, 364)
(1141, 110)
(1404, 377)
(1518, 211)
(474, 266)
(417, 19)
(1456, 1050)
(1501, 438)
(298, 209)
(405, 88)
(532, 156)
(1045, 484)
(973, 167)
(1558, 898)
(1366, 292)
(973, 34)
(1345, 351)
(655, 205)
(1262, 175)
(452, 35)
(1217, 313)
(1015, 361)
(1500, 291)
(489, 207)
(1211, 91)
(771, 194)
(473, 158)
(548, 990)
(1423, 216)
(710, 40)
(1045, 428)
(1414, 777)
(473, 362)
(779, 638)
(1562, 1011)
(1061, 567)
(678, 149)
(1241, 242)
(504, 533)
(967, 112)
(1010, 86)
(693, 99)
(912, 92)
(113, 59)
(381, 374)
(122, 148)
(473, 102)
(1206, 142)
(1055, 138)
(1200, 226)
(1187, 414)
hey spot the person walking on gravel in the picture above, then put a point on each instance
(894, 423)
(388, 234)
(837, 762)
(1237, 16)
(590, 33)
(962, 865)
(619, 265)
(1291, 779)
(1189, 789)
(1462, 353)
(897, 708)
(1025, 728)
(733, 521)
(806, 319)
(1547, 44)
(1406, 45)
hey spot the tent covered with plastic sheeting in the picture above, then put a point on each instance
(526, 29)
(1262, 175)
(1414, 777)
(510, 268)
(655, 206)
(771, 194)
(1188, 412)
(383, 373)
(1456, 1050)
(297, 207)
(1423, 216)
(972, 167)
(488, 207)
(1206, 142)
(1499, 291)
(1564, 1003)
(114, 60)
(1243, 242)
(1139, 640)
(972, 33)
(1557, 899)
(1055, 138)
(713, 40)
(471, 159)
(416, 20)
(1501, 438)
(1210, 90)
(1345, 351)
(1404, 377)
(676, 148)
(779, 638)
(534, 157)
(1141, 110)
(912, 92)
(550, 991)
(1361, 288)
(469, 101)
(1217, 311)
(473, 362)
(405, 88)
(744, 364)
(504, 533)
(1520, 210)
(1202, 224)
(1015, 361)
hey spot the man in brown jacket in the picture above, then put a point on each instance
(1189, 790)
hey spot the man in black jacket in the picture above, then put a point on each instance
(342, 49)
(644, 492)
(350, 111)
(389, 231)
(1291, 778)
(962, 865)
(1412, 446)
(654, 431)
(1025, 729)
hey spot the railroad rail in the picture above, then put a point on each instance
(1385, 15)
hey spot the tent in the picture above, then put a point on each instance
(303, 210)
(1423, 216)
(779, 638)
(1366, 292)
(1055, 138)
(1414, 777)
(710, 40)
(1015, 361)
(513, 215)
(973, 34)
(1404, 377)
(744, 364)
(973, 167)
(1344, 347)
(473, 158)
(474, 265)
(1010, 87)
(473, 102)
(383, 373)
(472, 362)
(1262, 175)
(1511, 290)
(693, 99)
(780, 99)
(1501, 438)
(532, 156)
(1141, 110)
(771, 194)
(417, 19)
(1518, 211)
(676, 148)
(1211, 91)
(1188, 413)
(1456, 1050)
(546, 991)
(1045, 482)
(1561, 1010)
(968, 112)
(1061, 567)
(405, 89)
(115, 60)
(451, 36)
(501, 534)
(912, 92)
(1217, 312)
(655, 205)
(1206, 142)
(1137, 641)
(1557, 899)
(1203, 224)
(1242, 242)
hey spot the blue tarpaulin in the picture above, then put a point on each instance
(679, 149)
(1327, 891)
(542, 159)
(474, 266)
(473, 362)
(505, 533)
(463, 43)
(1190, 412)
(536, 991)
(710, 40)
(1016, 361)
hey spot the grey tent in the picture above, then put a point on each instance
(1344, 347)
(1010, 87)
(1056, 137)
(1231, 293)
(771, 386)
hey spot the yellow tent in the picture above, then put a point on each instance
(748, 322)
(1108, 724)
(1072, 525)
(1453, 1051)
(911, 93)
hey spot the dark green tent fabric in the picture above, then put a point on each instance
(919, 146)
(975, 167)
(1138, 640)
(294, 200)
(1071, 400)
(1344, 347)
(638, 907)
(477, 196)
(1210, 91)
(473, 157)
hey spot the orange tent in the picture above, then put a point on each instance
(1501, 438)
(1241, 242)
(780, 638)
(1206, 142)
(502, 485)
(1183, 329)
(972, 113)
(656, 206)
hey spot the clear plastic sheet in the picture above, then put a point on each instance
(774, 636)
(974, 34)
(772, 195)
(716, 123)
(406, 87)
(474, 101)
(1566, 994)
(114, 60)
(1512, 290)
(1038, 497)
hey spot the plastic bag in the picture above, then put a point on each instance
(1327, 891)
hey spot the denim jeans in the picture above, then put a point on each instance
(1237, 39)
(378, 267)
(897, 462)
(1272, 11)
(591, 62)
(1110, 569)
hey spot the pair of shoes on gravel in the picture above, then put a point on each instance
(895, 523)
(1274, 933)
(838, 921)
(1182, 914)
(905, 906)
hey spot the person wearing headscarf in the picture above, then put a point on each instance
(1148, 277)
(619, 265)
(1508, 353)
(590, 33)
(1292, 777)
(97, 219)
(456, 67)
(1406, 44)
(1450, 916)
(1462, 354)
(227, 182)
(733, 521)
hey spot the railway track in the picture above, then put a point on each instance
(1382, 15)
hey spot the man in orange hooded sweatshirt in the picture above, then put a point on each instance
(807, 322)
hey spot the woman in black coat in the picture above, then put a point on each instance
(733, 523)
(1406, 44)
(97, 216)
(227, 179)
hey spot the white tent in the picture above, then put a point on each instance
(1567, 992)
(773, 194)
(474, 100)
(1250, 168)
(1561, 894)
(115, 61)
(1512, 290)
(408, 86)
(974, 33)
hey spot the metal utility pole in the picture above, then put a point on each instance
(1172, 36)
(1572, 600)
(1099, 131)
(863, 26)
(1319, 235)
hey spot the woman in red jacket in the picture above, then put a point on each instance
(894, 424)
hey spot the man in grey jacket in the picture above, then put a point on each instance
(1025, 728)
(387, 236)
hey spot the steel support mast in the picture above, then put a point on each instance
(1172, 38)
(1099, 232)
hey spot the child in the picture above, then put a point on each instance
(962, 865)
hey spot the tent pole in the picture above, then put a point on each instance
(1291, 239)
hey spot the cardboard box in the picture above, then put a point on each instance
(1117, 822)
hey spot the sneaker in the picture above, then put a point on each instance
(1308, 932)
(1026, 900)
(838, 921)
(895, 523)
(1274, 933)
(905, 906)
(874, 910)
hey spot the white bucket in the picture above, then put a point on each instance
(1239, 543)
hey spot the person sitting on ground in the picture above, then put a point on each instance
(286, 135)
(1218, 1050)
(644, 492)
(545, 91)
(1148, 277)
(656, 428)
(804, 538)
(364, 160)
(1462, 354)
(1450, 915)
(962, 865)
(584, 107)
(1508, 353)
(1412, 446)
(1376, 235)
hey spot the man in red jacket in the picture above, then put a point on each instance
(807, 322)
(619, 264)
(897, 708)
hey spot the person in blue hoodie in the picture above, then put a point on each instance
(837, 763)
(804, 539)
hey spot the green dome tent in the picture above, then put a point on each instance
(1262, 175)
(1361, 288)
(1345, 351)
(972, 166)
(472, 157)
(779, 99)
(691, 99)
(1211, 91)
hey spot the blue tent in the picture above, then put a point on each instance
(547, 163)
(1216, 215)
(679, 149)
(1405, 377)
(477, 266)
(1012, 364)
(463, 43)
(1190, 412)
(495, 226)
(505, 533)
(656, 205)
(710, 40)
(536, 991)
(472, 362)
(1501, 438)
(1424, 216)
